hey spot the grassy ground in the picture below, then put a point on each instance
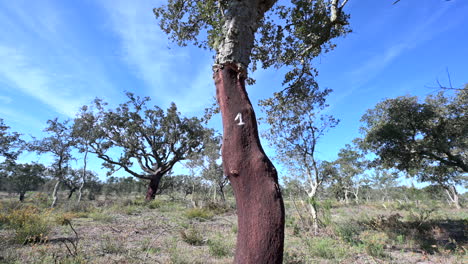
(128, 230)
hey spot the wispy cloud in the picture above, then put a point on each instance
(41, 58)
(415, 35)
(163, 69)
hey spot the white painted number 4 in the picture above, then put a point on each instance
(239, 117)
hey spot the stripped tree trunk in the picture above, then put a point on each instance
(260, 208)
(253, 177)
(153, 186)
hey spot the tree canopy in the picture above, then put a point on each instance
(133, 134)
(411, 135)
(10, 142)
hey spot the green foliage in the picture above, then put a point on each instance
(201, 214)
(218, 247)
(348, 232)
(111, 245)
(30, 225)
(22, 178)
(101, 216)
(148, 136)
(326, 248)
(192, 236)
(374, 242)
(10, 143)
(426, 139)
(155, 204)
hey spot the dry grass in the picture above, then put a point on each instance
(130, 231)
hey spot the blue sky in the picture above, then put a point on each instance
(59, 55)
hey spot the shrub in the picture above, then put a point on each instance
(30, 225)
(374, 242)
(101, 217)
(154, 204)
(348, 232)
(112, 246)
(219, 247)
(326, 248)
(199, 213)
(192, 236)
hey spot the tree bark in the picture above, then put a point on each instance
(83, 175)
(72, 190)
(54, 194)
(153, 187)
(21, 196)
(453, 195)
(260, 208)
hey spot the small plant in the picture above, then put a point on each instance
(112, 246)
(326, 248)
(348, 232)
(132, 210)
(192, 236)
(325, 210)
(199, 213)
(154, 204)
(374, 242)
(219, 248)
(101, 217)
(30, 225)
(234, 228)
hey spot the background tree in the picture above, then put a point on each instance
(83, 137)
(148, 137)
(290, 35)
(208, 161)
(22, 178)
(10, 143)
(428, 140)
(59, 144)
(350, 168)
(383, 181)
(295, 128)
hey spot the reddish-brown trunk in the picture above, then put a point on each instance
(260, 208)
(21, 196)
(153, 187)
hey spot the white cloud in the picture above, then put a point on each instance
(42, 58)
(169, 73)
(35, 82)
(403, 42)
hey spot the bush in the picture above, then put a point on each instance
(30, 225)
(219, 248)
(101, 217)
(192, 236)
(199, 213)
(112, 246)
(348, 232)
(154, 204)
(326, 248)
(374, 242)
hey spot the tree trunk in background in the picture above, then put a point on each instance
(260, 208)
(453, 196)
(153, 187)
(72, 190)
(21, 196)
(54, 194)
(313, 213)
(85, 162)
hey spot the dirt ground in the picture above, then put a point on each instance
(125, 231)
